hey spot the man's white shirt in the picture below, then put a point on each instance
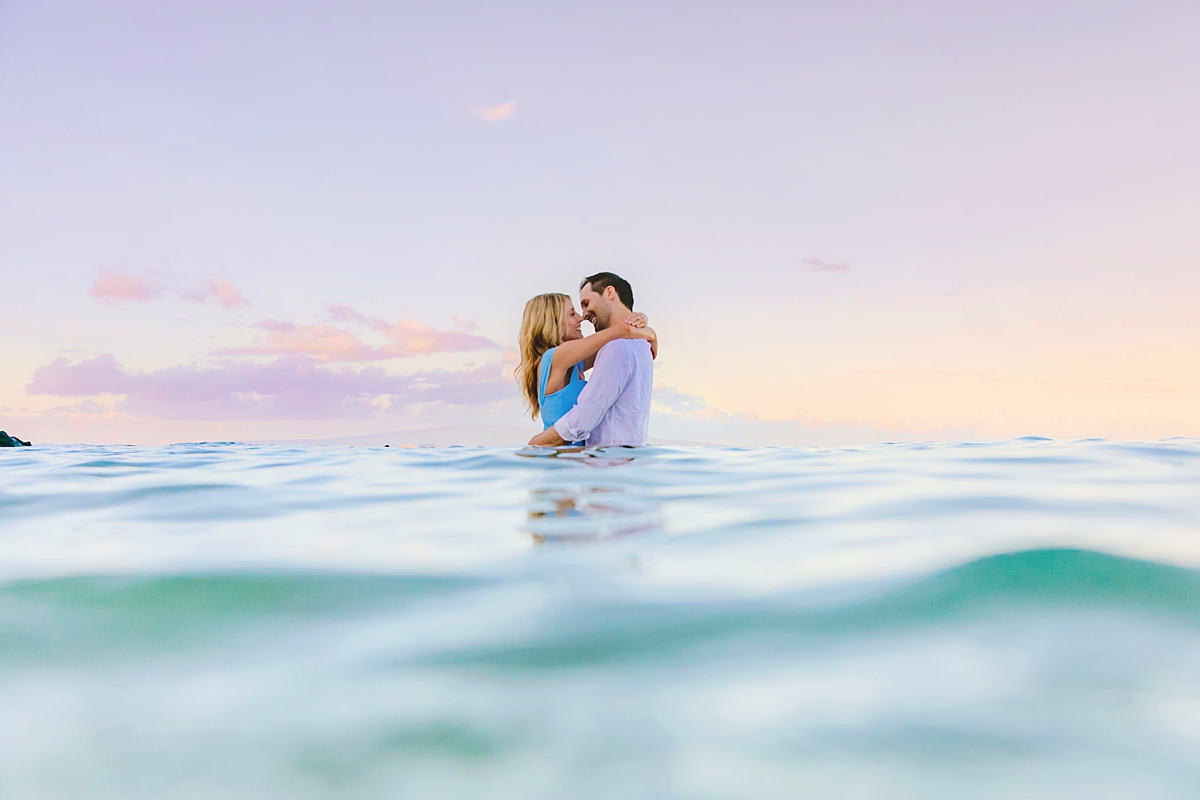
(614, 407)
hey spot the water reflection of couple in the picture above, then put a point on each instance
(613, 408)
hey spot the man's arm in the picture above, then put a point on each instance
(614, 367)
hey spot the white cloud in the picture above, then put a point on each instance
(674, 400)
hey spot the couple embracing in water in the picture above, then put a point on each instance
(613, 407)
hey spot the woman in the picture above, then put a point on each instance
(555, 353)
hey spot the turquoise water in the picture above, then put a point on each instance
(1013, 619)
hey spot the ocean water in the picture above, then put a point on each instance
(1016, 619)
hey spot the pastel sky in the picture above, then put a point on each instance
(848, 221)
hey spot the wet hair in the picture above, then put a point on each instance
(541, 329)
(602, 280)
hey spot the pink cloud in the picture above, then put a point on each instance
(328, 343)
(292, 388)
(324, 342)
(113, 287)
(817, 265)
(496, 113)
(225, 293)
(95, 376)
(413, 338)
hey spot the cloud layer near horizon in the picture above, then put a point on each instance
(290, 388)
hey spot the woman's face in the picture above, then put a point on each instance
(571, 323)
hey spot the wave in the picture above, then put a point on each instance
(82, 617)
(1020, 583)
(79, 618)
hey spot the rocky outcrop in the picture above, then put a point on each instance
(11, 441)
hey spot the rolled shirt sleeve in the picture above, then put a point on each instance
(611, 372)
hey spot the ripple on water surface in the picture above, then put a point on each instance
(994, 619)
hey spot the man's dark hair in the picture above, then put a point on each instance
(602, 280)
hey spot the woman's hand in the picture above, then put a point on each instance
(637, 320)
(635, 329)
(633, 332)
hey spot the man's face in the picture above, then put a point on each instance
(597, 309)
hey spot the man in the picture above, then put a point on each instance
(614, 407)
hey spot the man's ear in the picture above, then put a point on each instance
(610, 293)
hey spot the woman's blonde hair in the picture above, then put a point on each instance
(541, 329)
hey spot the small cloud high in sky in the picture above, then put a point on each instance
(820, 265)
(113, 287)
(497, 113)
(225, 293)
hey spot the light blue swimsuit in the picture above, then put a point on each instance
(555, 404)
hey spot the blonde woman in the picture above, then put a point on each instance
(555, 353)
